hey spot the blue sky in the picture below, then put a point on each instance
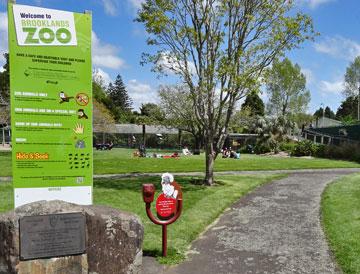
(118, 42)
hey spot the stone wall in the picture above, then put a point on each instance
(114, 241)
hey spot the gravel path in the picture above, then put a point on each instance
(275, 229)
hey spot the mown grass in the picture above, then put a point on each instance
(341, 220)
(5, 163)
(202, 205)
(122, 161)
(6, 196)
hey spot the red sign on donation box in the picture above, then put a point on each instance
(165, 206)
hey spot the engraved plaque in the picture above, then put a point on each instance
(54, 235)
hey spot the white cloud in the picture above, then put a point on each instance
(313, 4)
(339, 47)
(105, 55)
(335, 87)
(111, 7)
(308, 74)
(136, 3)
(101, 76)
(170, 65)
(141, 93)
(4, 36)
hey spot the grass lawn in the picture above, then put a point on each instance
(341, 219)
(5, 163)
(122, 161)
(202, 205)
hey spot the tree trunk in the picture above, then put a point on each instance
(3, 136)
(197, 142)
(180, 138)
(359, 104)
(210, 159)
(144, 134)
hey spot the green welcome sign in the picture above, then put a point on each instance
(51, 106)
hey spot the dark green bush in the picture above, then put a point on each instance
(287, 146)
(349, 152)
(305, 148)
(261, 148)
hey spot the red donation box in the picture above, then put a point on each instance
(168, 204)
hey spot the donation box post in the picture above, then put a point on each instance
(168, 205)
(51, 104)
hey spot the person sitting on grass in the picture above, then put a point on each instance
(234, 155)
(225, 153)
(186, 151)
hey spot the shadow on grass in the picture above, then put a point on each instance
(135, 184)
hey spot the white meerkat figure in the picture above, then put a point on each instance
(168, 189)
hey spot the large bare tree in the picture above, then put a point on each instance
(176, 103)
(219, 48)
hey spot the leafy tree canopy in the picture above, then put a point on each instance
(327, 112)
(219, 49)
(352, 78)
(348, 108)
(120, 102)
(153, 112)
(286, 86)
(254, 104)
(352, 83)
(177, 105)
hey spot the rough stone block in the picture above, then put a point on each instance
(114, 241)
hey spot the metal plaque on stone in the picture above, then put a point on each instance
(55, 235)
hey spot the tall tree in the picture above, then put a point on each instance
(153, 111)
(219, 48)
(320, 112)
(176, 103)
(348, 108)
(352, 82)
(120, 101)
(327, 112)
(254, 103)
(286, 87)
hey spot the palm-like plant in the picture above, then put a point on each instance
(274, 130)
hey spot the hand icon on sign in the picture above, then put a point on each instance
(79, 128)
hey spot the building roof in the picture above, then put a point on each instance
(137, 129)
(325, 122)
(349, 132)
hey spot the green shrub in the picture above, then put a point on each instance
(305, 148)
(349, 152)
(262, 148)
(287, 146)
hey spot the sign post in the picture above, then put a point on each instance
(51, 107)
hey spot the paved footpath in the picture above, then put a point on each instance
(275, 229)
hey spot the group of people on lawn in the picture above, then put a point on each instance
(226, 153)
(230, 153)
